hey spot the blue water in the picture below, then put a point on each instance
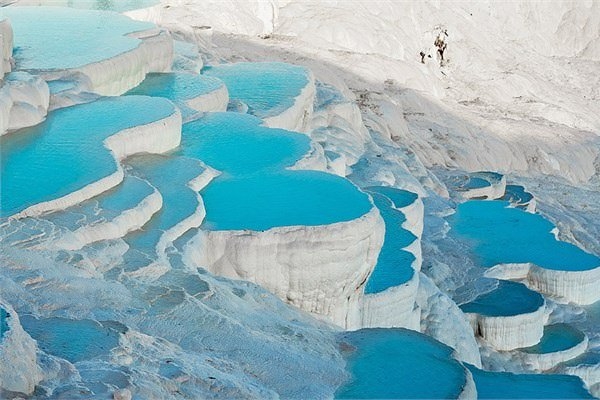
(500, 234)
(394, 265)
(267, 88)
(50, 38)
(489, 176)
(285, 198)
(504, 385)
(170, 175)
(508, 299)
(177, 87)
(238, 144)
(399, 364)
(557, 337)
(73, 340)
(104, 207)
(327, 95)
(60, 85)
(400, 197)
(517, 195)
(66, 152)
(3, 323)
(111, 5)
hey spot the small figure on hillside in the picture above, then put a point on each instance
(422, 54)
(440, 43)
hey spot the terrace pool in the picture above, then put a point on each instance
(66, 152)
(507, 299)
(501, 234)
(267, 88)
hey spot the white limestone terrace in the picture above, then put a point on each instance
(508, 317)
(110, 52)
(24, 101)
(477, 185)
(281, 94)
(192, 93)
(80, 167)
(309, 237)
(6, 46)
(519, 197)
(19, 370)
(178, 180)
(561, 342)
(523, 246)
(391, 290)
(111, 215)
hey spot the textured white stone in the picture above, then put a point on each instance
(214, 101)
(24, 101)
(6, 46)
(129, 220)
(19, 371)
(116, 75)
(320, 269)
(297, 117)
(393, 308)
(510, 332)
(547, 361)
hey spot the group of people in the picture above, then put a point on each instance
(441, 44)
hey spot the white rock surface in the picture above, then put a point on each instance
(6, 47)
(19, 371)
(214, 101)
(395, 307)
(320, 269)
(547, 361)
(579, 287)
(24, 101)
(129, 220)
(443, 320)
(510, 332)
(297, 117)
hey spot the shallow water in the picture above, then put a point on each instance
(557, 337)
(51, 38)
(177, 87)
(267, 88)
(286, 198)
(73, 340)
(507, 299)
(500, 234)
(239, 145)
(66, 152)
(104, 207)
(3, 322)
(504, 385)
(401, 198)
(394, 265)
(398, 363)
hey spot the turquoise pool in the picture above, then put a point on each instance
(517, 195)
(170, 175)
(177, 87)
(504, 385)
(53, 38)
(239, 145)
(394, 265)
(104, 207)
(66, 152)
(557, 337)
(285, 198)
(501, 234)
(400, 197)
(267, 88)
(3, 322)
(73, 340)
(399, 364)
(508, 299)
